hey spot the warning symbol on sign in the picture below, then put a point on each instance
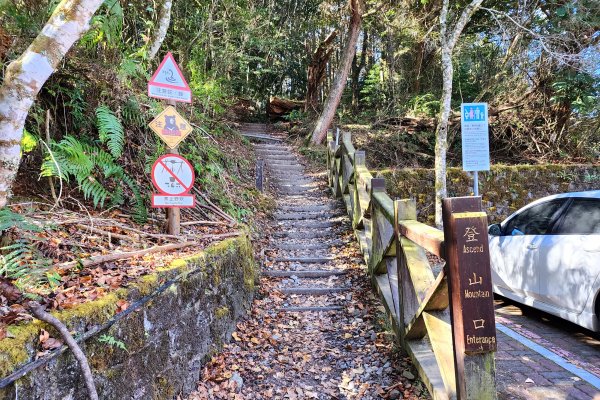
(168, 82)
(172, 175)
(171, 127)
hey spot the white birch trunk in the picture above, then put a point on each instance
(26, 75)
(337, 89)
(441, 135)
(163, 26)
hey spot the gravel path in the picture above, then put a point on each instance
(315, 330)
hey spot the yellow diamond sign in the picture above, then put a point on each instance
(171, 127)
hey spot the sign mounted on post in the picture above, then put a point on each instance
(171, 127)
(168, 82)
(173, 176)
(475, 137)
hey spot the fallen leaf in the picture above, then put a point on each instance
(122, 305)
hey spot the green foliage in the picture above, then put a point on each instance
(106, 26)
(296, 116)
(132, 113)
(578, 90)
(111, 131)
(95, 171)
(22, 260)
(28, 142)
(425, 105)
(112, 342)
(9, 219)
(373, 91)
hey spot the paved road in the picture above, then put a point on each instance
(543, 357)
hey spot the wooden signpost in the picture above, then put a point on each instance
(168, 83)
(471, 297)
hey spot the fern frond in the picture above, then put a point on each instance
(24, 264)
(111, 130)
(9, 219)
(93, 189)
(140, 211)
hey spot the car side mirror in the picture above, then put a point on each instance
(495, 230)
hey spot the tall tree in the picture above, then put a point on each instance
(449, 37)
(27, 74)
(316, 72)
(335, 94)
(164, 21)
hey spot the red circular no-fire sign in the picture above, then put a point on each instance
(173, 175)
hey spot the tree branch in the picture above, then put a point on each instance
(38, 311)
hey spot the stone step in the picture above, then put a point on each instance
(311, 309)
(305, 246)
(304, 260)
(308, 208)
(304, 274)
(301, 216)
(313, 291)
(297, 185)
(261, 137)
(279, 161)
(277, 157)
(299, 224)
(304, 235)
(267, 147)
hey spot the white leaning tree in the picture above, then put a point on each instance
(26, 75)
(449, 37)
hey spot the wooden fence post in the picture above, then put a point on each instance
(471, 297)
(260, 164)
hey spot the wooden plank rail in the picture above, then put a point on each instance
(422, 296)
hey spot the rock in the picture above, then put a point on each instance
(394, 394)
(408, 375)
(239, 381)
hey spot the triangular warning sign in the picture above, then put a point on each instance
(168, 82)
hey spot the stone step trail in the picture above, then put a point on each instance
(315, 325)
(306, 215)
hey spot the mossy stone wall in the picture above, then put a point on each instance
(167, 340)
(504, 189)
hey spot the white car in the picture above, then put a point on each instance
(547, 256)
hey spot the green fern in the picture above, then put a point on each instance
(132, 113)
(106, 26)
(9, 219)
(23, 263)
(111, 131)
(93, 189)
(140, 212)
(93, 169)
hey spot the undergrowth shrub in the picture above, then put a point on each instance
(97, 172)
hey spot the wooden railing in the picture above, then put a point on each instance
(406, 266)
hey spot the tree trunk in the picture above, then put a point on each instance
(26, 75)
(317, 72)
(335, 94)
(449, 41)
(441, 135)
(357, 67)
(164, 21)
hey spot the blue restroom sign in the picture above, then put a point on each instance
(475, 137)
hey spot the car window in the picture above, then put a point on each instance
(535, 220)
(582, 218)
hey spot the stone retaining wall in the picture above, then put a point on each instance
(504, 189)
(185, 312)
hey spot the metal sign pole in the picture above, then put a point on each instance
(173, 214)
(476, 183)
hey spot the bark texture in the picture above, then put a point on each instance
(449, 38)
(335, 94)
(316, 72)
(164, 21)
(27, 74)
